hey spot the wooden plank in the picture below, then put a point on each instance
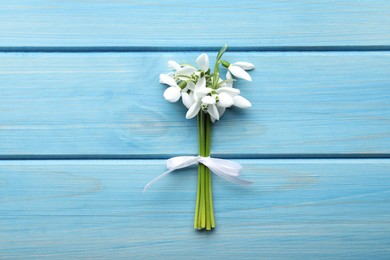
(197, 24)
(111, 104)
(296, 209)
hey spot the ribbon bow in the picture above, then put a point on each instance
(225, 169)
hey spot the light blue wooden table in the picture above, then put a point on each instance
(83, 127)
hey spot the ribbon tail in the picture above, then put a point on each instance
(147, 186)
(226, 169)
(174, 164)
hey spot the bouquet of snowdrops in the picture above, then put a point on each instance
(207, 96)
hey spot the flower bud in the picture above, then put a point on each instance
(182, 84)
(225, 64)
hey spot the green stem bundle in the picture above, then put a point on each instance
(204, 212)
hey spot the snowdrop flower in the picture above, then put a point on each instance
(203, 62)
(200, 91)
(227, 97)
(187, 95)
(209, 104)
(219, 100)
(237, 70)
(173, 93)
(238, 100)
(180, 72)
(217, 103)
(185, 71)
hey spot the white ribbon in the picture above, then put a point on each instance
(225, 169)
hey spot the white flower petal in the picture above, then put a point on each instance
(185, 71)
(174, 65)
(221, 111)
(201, 83)
(203, 92)
(200, 87)
(241, 102)
(193, 111)
(229, 77)
(244, 65)
(225, 100)
(213, 111)
(231, 91)
(165, 79)
(208, 100)
(239, 72)
(188, 99)
(203, 62)
(172, 94)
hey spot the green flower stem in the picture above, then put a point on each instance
(204, 213)
(210, 194)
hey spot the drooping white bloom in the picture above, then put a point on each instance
(218, 102)
(229, 96)
(225, 100)
(200, 91)
(234, 93)
(213, 112)
(203, 62)
(187, 95)
(239, 72)
(209, 102)
(185, 71)
(166, 79)
(173, 93)
(181, 72)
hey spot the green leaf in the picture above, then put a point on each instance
(221, 52)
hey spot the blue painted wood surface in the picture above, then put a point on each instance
(296, 209)
(111, 104)
(201, 23)
(75, 86)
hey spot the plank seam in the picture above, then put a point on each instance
(92, 49)
(167, 156)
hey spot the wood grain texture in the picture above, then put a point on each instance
(93, 102)
(111, 104)
(195, 24)
(296, 209)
